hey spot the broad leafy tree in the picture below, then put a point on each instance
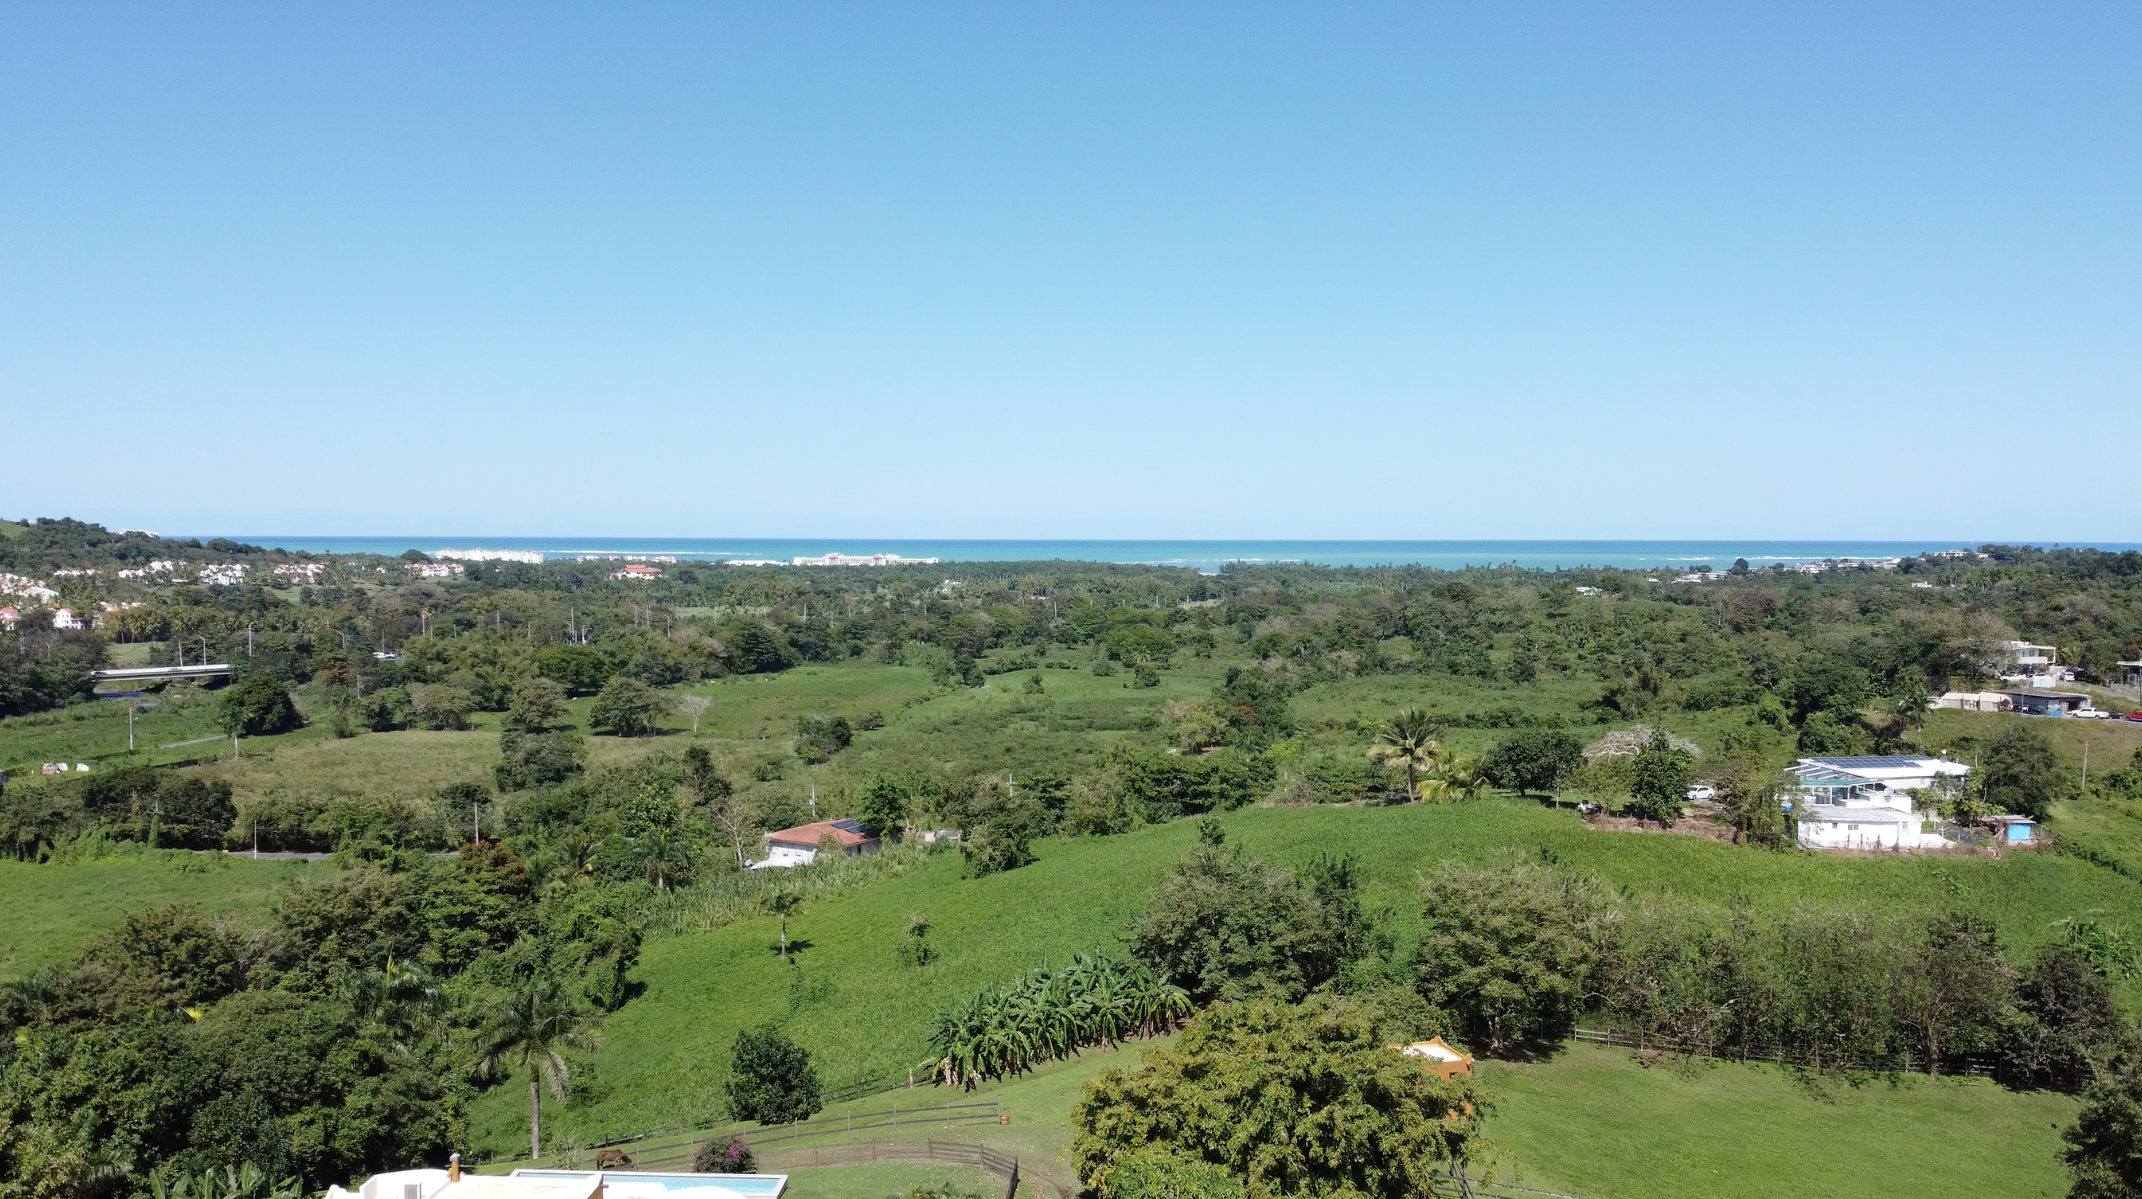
(1659, 779)
(1534, 760)
(1227, 926)
(2020, 773)
(1510, 952)
(628, 707)
(2105, 1143)
(1284, 1099)
(771, 1078)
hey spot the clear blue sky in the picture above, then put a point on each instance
(1056, 269)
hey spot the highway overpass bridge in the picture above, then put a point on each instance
(154, 674)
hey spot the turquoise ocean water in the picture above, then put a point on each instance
(1198, 555)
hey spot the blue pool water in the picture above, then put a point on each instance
(742, 1184)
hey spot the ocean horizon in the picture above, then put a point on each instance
(1204, 555)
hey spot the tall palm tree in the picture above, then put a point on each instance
(528, 1027)
(1411, 740)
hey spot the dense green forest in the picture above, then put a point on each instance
(525, 772)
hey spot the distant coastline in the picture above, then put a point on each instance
(1198, 555)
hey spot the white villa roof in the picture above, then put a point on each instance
(1877, 767)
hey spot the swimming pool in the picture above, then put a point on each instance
(751, 1186)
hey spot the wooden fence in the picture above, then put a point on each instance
(946, 1153)
(1456, 1185)
(1958, 1066)
(672, 1148)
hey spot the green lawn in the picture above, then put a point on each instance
(887, 1180)
(1596, 1122)
(49, 911)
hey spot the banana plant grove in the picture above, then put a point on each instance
(1045, 1015)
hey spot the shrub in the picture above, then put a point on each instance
(820, 737)
(2021, 774)
(890, 801)
(627, 707)
(1000, 831)
(535, 760)
(573, 667)
(771, 1078)
(1659, 783)
(2105, 1142)
(732, 1156)
(258, 705)
(439, 706)
(1534, 760)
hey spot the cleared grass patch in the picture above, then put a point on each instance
(397, 766)
(1595, 1122)
(48, 912)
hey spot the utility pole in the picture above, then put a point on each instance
(249, 639)
(476, 817)
(130, 726)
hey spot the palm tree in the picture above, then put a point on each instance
(784, 904)
(528, 1027)
(1410, 740)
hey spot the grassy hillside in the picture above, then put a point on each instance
(1602, 1123)
(862, 1013)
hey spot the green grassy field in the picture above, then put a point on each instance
(96, 733)
(1601, 1123)
(862, 1013)
(886, 1180)
(1594, 1121)
(48, 912)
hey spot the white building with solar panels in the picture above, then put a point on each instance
(1867, 802)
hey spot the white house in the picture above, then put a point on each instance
(799, 846)
(1866, 802)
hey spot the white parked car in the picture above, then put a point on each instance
(1702, 793)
